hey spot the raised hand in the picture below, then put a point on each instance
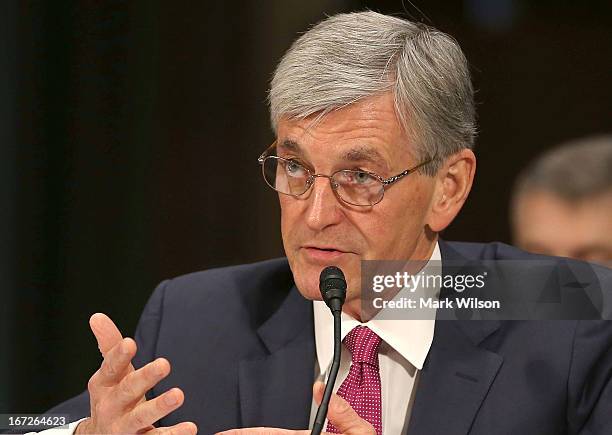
(117, 390)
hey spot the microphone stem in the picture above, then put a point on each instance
(331, 380)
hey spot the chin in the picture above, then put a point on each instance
(306, 276)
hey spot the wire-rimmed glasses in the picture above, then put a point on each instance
(355, 187)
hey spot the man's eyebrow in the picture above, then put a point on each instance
(366, 153)
(290, 145)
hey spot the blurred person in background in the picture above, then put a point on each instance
(562, 202)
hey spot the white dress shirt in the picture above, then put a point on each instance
(402, 352)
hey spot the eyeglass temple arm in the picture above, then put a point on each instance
(401, 175)
(263, 155)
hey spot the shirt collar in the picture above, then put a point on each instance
(410, 338)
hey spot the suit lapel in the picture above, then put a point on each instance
(457, 374)
(276, 388)
(455, 379)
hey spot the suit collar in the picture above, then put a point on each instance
(452, 258)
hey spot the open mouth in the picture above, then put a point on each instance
(322, 255)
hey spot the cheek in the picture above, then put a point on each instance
(396, 226)
(398, 210)
(287, 217)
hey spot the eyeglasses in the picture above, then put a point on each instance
(355, 187)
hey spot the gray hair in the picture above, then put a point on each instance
(349, 57)
(575, 170)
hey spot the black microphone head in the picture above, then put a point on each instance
(333, 287)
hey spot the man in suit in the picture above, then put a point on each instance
(374, 119)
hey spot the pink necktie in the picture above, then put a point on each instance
(361, 388)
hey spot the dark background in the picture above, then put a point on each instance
(121, 121)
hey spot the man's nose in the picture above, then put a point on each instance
(324, 208)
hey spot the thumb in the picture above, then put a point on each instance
(341, 415)
(105, 331)
(317, 391)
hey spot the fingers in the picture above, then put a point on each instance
(133, 387)
(105, 331)
(117, 391)
(185, 428)
(341, 415)
(115, 366)
(150, 411)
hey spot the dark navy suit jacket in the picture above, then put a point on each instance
(241, 344)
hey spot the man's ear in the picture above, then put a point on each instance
(453, 184)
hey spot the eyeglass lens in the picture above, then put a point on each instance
(291, 178)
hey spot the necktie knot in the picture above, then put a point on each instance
(363, 344)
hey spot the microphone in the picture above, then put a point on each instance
(332, 285)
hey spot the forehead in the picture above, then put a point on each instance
(359, 152)
(367, 130)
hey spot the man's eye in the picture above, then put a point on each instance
(295, 169)
(356, 178)
(359, 177)
(362, 177)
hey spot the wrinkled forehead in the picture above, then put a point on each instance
(356, 153)
(365, 132)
